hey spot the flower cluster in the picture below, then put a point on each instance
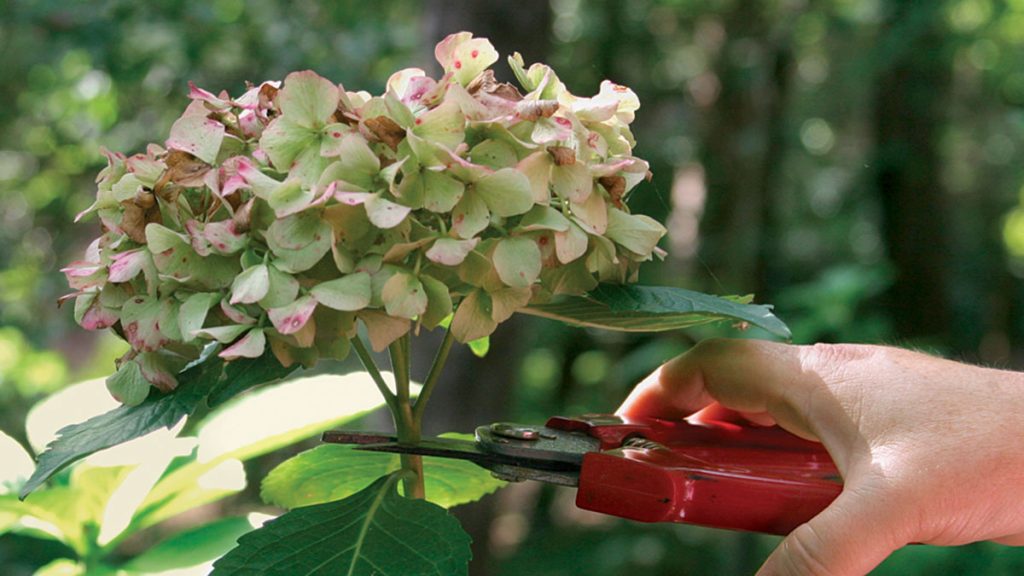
(286, 216)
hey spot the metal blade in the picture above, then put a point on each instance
(458, 449)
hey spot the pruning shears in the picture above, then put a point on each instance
(719, 474)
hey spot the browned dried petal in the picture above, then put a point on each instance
(243, 213)
(616, 187)
(563, 155)
(144, 198)
(386, 130)
(185, 169)
(133, 222)
(536, 109)
(486, 84)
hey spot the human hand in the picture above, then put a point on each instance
(930, 450)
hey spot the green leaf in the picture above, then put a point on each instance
(242, 374)
(506, 192)
(480, 347)
(654, 309)
(348, 293)
(204, 377)
(517, 261)
(375, 531)
(331, 472)
(191, 547)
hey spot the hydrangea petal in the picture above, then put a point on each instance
(572, 182)
(517, 261)
(282, 289)
(307, 98)
(634, 232)
(284, 140)
(384, 213)
(464, 56)
(251, 285)
(140, 320)
(506, 301)
(506, 192)
(537, 168)
(470, 216)
(251, 345)
(444, 125)
(451, 251)
(196, 134)
(291, 318)
(441, 192)
(472, 319)
(593, 212)
(192, 313)
(570, 244)
(404, 296)
(348, 293)
(383, 329)
(544, 218)
(127, 385)
(439, 301)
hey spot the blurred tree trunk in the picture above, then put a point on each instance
(745, 141)
(910, 103)
(477, 391)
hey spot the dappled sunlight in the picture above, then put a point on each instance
(74, 404)
(304, 403)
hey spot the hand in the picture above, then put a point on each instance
(930, 450)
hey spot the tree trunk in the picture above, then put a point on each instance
(910, 106)
(744, 144)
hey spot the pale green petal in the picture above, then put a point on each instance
(506, 192)
(517, 261)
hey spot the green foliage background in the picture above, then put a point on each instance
(858, 163)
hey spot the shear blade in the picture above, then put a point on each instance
(446, 448)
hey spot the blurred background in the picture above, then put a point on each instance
(857, 163)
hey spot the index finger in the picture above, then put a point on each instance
(743, 375)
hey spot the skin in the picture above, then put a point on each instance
(930, 450)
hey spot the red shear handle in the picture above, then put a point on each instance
(715, 474)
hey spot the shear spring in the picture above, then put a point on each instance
(644, 443)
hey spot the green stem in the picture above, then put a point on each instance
(432, 377)
(407, 427)
(371, 367)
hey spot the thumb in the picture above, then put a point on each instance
(846, 539)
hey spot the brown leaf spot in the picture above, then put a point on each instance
(183, 169)
(486, 84)
(563, 155)
(536, 109)
(386, 130)
(616, 187)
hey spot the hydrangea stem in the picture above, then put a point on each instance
(432, 377)
(407, 426)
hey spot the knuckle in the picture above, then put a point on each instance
(804, 551)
